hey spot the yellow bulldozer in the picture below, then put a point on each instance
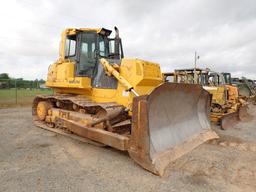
(226, 106)
(119, 102)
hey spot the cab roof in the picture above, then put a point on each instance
(73, 31)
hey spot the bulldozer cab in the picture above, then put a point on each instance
(191, 76)
(217, 79)
(227, 77)
(87, 47)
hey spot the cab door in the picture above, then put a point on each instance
(86, 55)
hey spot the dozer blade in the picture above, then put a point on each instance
(243, 112)
(229, 120)
(169, 122)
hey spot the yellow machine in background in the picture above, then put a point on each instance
(122, 103)
(226, 106)
(240, 89)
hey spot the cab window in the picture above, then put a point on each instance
(70, 46)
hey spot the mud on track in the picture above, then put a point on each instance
(32, 159)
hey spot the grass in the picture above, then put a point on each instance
(24, 96)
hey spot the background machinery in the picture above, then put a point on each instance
(122, 103)
(246, 87)
(226, 106)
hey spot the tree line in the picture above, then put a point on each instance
(7, 82)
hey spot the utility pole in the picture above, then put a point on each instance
(16, 96)
(195, 75)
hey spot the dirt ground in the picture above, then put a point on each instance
(33, 159)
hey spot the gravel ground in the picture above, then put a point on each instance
(33, 159)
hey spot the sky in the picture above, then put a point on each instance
(168, 32)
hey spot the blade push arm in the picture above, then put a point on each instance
(110, 70)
